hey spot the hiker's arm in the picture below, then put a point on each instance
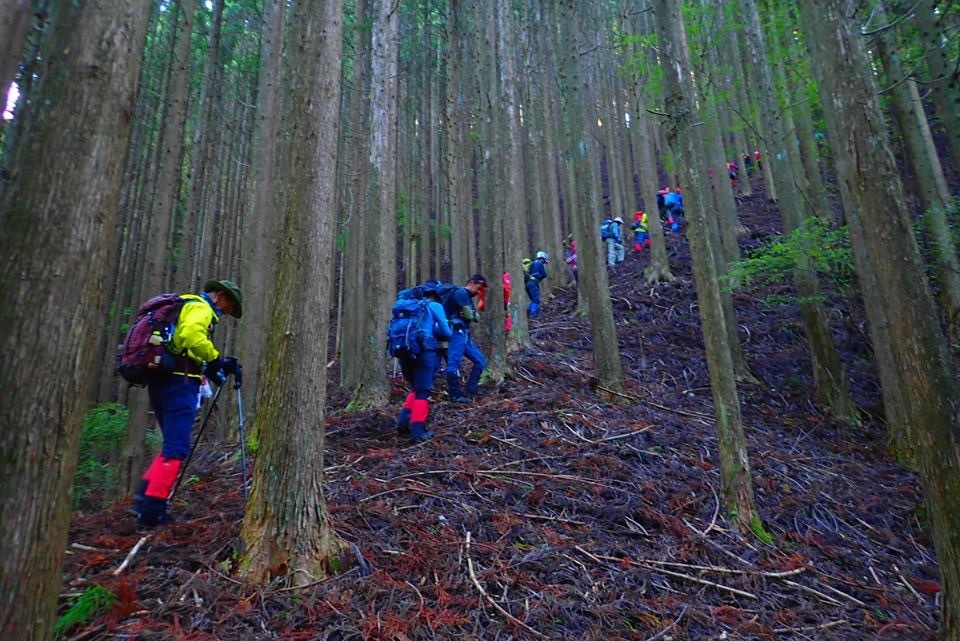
(194, 322)
(441, 328)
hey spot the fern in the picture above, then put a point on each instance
(93, 600)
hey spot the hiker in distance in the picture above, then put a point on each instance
(533, 275)
(419, 368)
(174, 390)
(612, 236)
(461, 313)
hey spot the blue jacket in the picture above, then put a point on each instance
(613, 230)
(435, 327)
(673, 198)
(538, 270)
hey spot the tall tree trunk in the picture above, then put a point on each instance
(924, 370)
(584, 204)
(259, 239)
(372, 388)
(58, 216)
(286, 528)
(829, 375)
(944, 81)
(198, 221)
(736, 486)
(353, 325)
(927, 171)
(515, 227)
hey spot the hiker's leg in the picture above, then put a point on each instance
(479, 364)
(420, 406)
(458, 343)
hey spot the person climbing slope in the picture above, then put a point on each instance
(418, 370)
(461, 313)
(174, 394)
(641, 236)
(536, 273)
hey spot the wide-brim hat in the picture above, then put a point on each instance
(232, 291)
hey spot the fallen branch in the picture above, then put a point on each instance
(133, 553)
(661, 570)
(483, 592)
(676, 621)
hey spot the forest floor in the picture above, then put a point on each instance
(542, 511)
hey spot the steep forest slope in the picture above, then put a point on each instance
(542, 511)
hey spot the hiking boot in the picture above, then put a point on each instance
(403, 421)
(460, 399)
(419, 433)
(153, 512)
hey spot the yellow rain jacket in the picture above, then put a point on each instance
(192, 337)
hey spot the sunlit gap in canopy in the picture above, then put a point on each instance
(11, 102)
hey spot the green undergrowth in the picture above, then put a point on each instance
(93, 601)
(104, 430)
(825, 249)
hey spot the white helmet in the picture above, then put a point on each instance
(618, 220)
(543, 255)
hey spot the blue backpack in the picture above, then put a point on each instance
(405, 333)
(606, 230)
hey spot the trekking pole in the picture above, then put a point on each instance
(243, 442)
(193, 448)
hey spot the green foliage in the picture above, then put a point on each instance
(94, 599)
(756, 526)
(104, 428)
(826, 250)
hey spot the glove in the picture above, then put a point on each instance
(215, 372)
(232, 366)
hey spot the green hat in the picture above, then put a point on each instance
(229, 288)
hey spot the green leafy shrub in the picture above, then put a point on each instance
(94, 600)
(826, 250)
(104, 428)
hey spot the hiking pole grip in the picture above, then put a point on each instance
(193, 448)
(243, 443)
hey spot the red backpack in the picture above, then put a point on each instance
(144, 352)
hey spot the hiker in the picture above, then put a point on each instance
(482, 300)
(536, 273)
(756, 160)
(747, 163)
(661, 203)
(732, 171)
(673, 201)
(570, 257)
(419, 369)
(175, 395)
(641, 237)
(461, 313)
(612, 236)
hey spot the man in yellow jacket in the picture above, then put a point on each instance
(174, 395)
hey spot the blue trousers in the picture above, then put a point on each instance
(419, 371)
(460, 346)
(174, 401)
(533, 291)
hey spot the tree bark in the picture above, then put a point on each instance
(736, 486)
(584, 202)
(58, 213)
(260, 237)
(286, 529)
(372, 388)
(924, 370)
